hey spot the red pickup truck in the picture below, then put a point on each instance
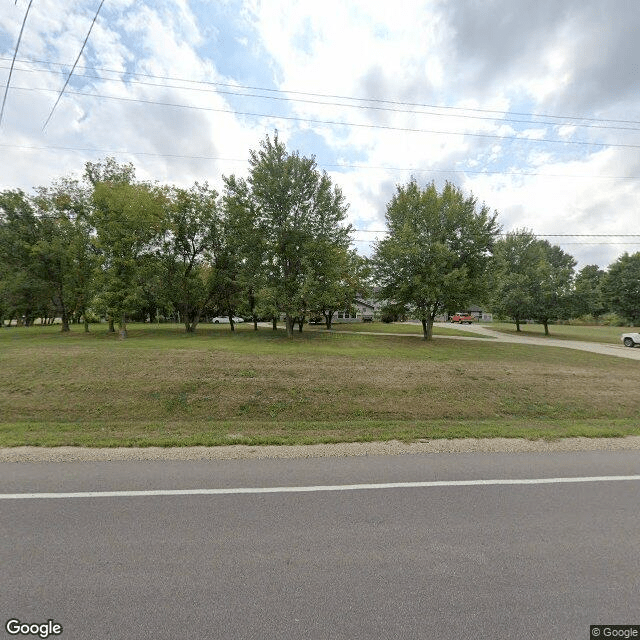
(462, 318)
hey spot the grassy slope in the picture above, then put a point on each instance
(162, 387)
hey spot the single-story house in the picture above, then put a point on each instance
(360, 311)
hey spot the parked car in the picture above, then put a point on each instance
(630, 339)
(225, 320)
(462, 318)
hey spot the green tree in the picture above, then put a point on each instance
(64, 251)
(249, 246)
(295, 208)
(621, 287)
(437, 253)
(26, 293)
(588, 297)
(130, 221)
(192, 245)
(532, 279)
(516, 259)
(553, 291)
(335, 286)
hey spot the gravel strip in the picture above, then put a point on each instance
(394, 447)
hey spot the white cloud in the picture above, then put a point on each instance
(479, 59)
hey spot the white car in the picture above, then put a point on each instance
(225, 320)
(630, 339)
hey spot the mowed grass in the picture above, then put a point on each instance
(163, 387)
(395, 328)
(587, 333)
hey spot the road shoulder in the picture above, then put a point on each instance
(351, 449)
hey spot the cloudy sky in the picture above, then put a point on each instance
(532, 106)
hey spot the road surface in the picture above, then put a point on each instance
(436, 560)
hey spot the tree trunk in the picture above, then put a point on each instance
(65, 321)
(190, 323)
(328, 317)
(289, 322)
(112, 328)
(517, 324)
(427, 328)
(300, 323)
(85, 322)
(275, 324)
(123, 327)
(252, 306)
(232, 323)
(545, 324)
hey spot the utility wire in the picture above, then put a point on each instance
(15, 53)
(44, 126)
(340, 97)
(538, 235)
(321, 165)
(339, 123)
(244, 94)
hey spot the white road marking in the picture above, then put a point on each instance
(312, 489)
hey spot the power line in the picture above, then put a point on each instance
(539, 235)
(340, 97)
(559, 236)
(321, 165)
(339, 123)
(561, 242)
(44, 126)
(244, 94)
(15, 53)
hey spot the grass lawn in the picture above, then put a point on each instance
(163, 387)
(588, 333)
(393, 328)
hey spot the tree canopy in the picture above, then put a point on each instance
(622, 287)
(532, 279)
(436, 256)
(297, 215)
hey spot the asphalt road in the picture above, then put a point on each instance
(488, 561)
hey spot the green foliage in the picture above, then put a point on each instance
(436, 256)
(613, 320)
(621, 287)
(334, 278)
(291, 219)
(130, 221)
(64, 251)
(26, 294)
(393, 313)
(588, 296)
(533, 279)
(192, 246)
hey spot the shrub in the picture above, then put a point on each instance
(613, 320)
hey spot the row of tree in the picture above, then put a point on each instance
(273, 244)
(443, 252)
(276, 245)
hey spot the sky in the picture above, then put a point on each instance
(532, 107)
